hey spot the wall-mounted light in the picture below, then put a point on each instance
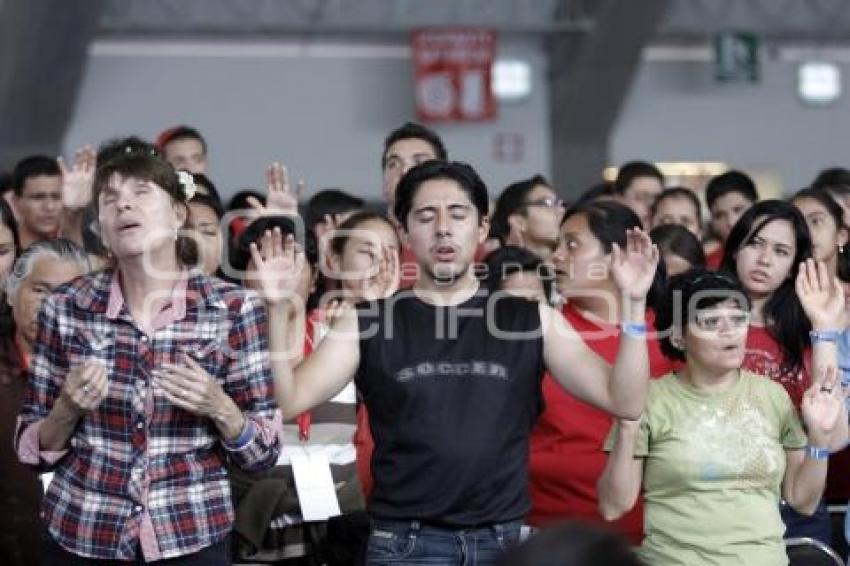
(511, 79)
(818, 83)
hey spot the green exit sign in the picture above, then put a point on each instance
(736, 57)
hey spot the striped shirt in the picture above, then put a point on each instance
(140, 473)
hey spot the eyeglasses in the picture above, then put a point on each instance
(712, 322)
(548, 202)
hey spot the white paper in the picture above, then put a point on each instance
(315, 486)
(46, 478)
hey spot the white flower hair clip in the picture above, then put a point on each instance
(188, 182)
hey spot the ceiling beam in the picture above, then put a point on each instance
(43, 50)
(590, 77)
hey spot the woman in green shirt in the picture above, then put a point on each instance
(718, 446)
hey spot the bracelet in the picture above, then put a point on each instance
(634, 329)
(246, 436)
(817, 453)
(825, 336)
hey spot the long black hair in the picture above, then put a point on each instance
(786, 320)
(678, 240)
(608, 222)
(7, 219)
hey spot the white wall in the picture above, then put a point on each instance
(325, 115)
(676, 112)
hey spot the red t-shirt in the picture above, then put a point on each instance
(712, 260)
(566, 457)
(764, 357)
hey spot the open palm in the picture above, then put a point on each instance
(277, 265)
(633, 267)
(821, 296)
(823, 404)
(281, 199)
(78, 180)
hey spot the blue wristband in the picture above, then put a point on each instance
(243, 439)
(634, 329)
(817, 453)
(825, 336)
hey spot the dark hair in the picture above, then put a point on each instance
(678, 192)
(329, 202)
(239, 201)
(209, 202)
(202, 180)
(181, 132)
(787, 323)
(834, 178)
(598, 191)
(461, 173)
(834, 209)
(608, 222)
(573, 544)
(688, 292)
(33, 166)
(241, 254)
(341, 235)
(511, 201)
(116, 147)
(634, 170)
(5, 182)
(678, 240)
(7, 219)
(508, 260)
(412, 130)
(730, 182)
(151, 168)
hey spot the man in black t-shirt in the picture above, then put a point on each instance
(451, 376)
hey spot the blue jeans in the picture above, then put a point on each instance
(817, 526)
(411, 542)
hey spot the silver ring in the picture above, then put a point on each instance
(826, 389)
(86, 388)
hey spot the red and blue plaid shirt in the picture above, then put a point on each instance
(141, 473)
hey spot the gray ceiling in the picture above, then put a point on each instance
(689, 20)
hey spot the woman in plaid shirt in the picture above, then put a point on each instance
(145, 378)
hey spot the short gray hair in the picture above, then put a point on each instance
(60, 249)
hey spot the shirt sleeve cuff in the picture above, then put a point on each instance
(244, 438)
(29, 448)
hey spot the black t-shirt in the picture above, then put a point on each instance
(452, 394)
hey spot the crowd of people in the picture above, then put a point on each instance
(189, 381)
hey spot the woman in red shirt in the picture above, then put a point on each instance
(566, 456)
(764, 250)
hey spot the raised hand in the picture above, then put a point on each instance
(281, 199)
(277, 266)
(633, 268)
(85, 387)
(823, 408)
(78, 180)
(386, 280)
(822, 296)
